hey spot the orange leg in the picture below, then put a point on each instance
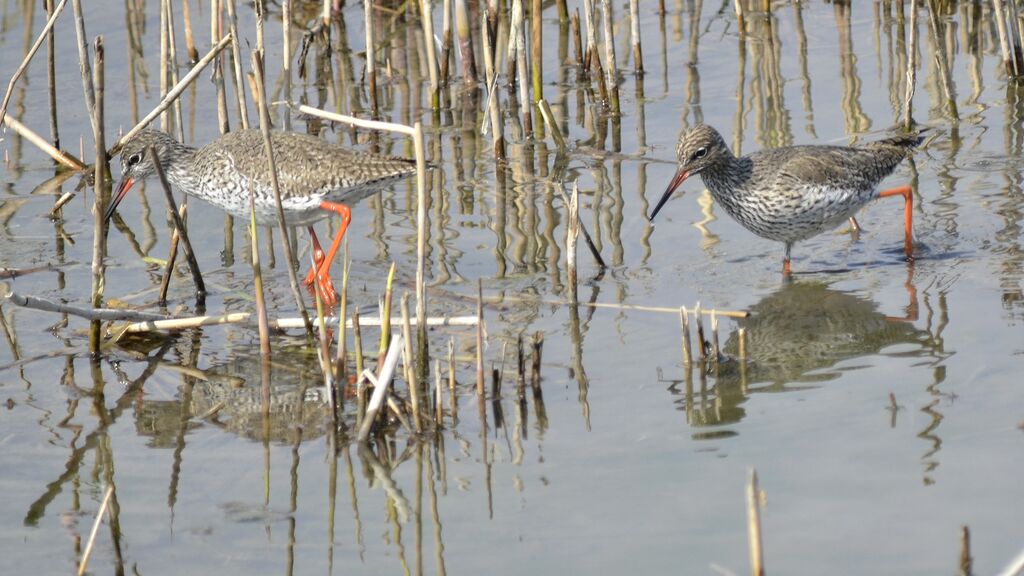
(320, 273)
(787, 270)
(908, 215)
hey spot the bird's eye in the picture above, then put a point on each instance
(699, 153)
(134, 159)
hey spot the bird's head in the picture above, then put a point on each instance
(699, 147)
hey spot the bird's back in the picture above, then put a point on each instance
(796, 192)
(309, 170)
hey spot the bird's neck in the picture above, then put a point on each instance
(177, 159)
(727, 176)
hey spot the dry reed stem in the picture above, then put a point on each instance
(611, 66)
(614, 306)
(464, 33)
(190, 45)
(572, 230)
(384, 376)
(51, 79)
(173, 94)
(410, 372)
(714, 336)
(684, 323)
(99, 183)
(58, 155)
(357, 339)
(754, 525)
(1009, 60)
(236, 58)
(438, 411)
(173, 71)
(536, 49)
(268, 151)
(261, 306)
(105, 314)
(494, 118)
(28, 57)
(179, 228)
(549, 121)
(480, 338)
(1015, 567)
(341, 361)
(634, 29)
(742, 337)
(965, 552)
(908, 99)
(83, 61)
(426, 12)
(446, 42)
(95, 530)
(945, 81)
(371, 66)
(586, 235)
(385, 329)
(701, 348)
(165, 282)
(165, 68)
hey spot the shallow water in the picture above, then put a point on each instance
(628, 461)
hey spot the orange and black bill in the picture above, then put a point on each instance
(122, 188)
(678, 179)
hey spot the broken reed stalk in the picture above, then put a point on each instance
(611, 67)
(104, 314)
(494, 118)
(410, 372)
(357, 340)
(553, 129)
(738, 4)
(371, 66)
(741, 335)
(754, 525)
(172, 94)
(701, 348)
(634, 29)
(28, 57)
(577, 42)
(99, 183)
(446, 41)
(286, 46)
(480, 338)
(714, 337)
(908, 104)
(572, 230)
(387, 371)
(262, 320)
(426, 12)
(217, 75)
(586, 235)
(268, 151)
(59, 156)
(684, 322)
(464, 33)
(965, 552)
(385, 329)
(165, 282)
(190, 45)
(87, 552)
(1009, 55)
(517, 52)
(538, 349)
(236, 58)
(83, 61)
(179, 228)
(159, 322)
(438, 411)
(588, 19)
(451, 366)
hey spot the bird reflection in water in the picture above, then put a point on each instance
(795, 336)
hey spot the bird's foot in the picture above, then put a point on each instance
(321, 281)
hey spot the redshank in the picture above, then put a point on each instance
(316, 178)
(792, 193)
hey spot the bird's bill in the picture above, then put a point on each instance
(678, 179)
(122, 188)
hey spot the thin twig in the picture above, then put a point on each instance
(95, 529)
